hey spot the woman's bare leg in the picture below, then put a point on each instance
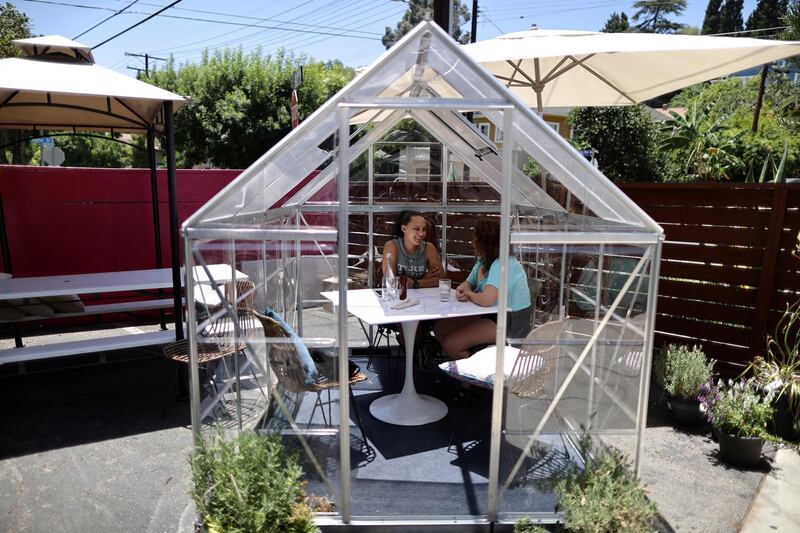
(445, 326)
(457, 342)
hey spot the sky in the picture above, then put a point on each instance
(347, 30)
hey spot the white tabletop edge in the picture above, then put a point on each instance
(365, 305)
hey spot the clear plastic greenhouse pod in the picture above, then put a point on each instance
(306, 225)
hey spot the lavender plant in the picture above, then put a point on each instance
(737, 407)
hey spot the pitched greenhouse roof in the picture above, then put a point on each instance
(430, 78)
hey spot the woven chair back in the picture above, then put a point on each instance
(536, 361)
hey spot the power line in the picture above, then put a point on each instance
(105, 19)
(137, 24)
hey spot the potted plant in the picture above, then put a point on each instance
(778, 371)
(685, 370)
(248, 483)
(739, 412)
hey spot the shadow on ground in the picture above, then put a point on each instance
(78, 405)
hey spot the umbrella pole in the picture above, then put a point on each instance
(173, 221)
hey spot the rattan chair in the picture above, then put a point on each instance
(296, 371)
(526, 369)
(216, 339)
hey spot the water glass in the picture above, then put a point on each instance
(444, 290)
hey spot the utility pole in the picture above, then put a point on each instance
(147, 58)
(442, 14)
(474, 29)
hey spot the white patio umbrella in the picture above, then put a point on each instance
(565, 68)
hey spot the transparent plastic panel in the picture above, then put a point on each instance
(407, 166)
(577, 375)
(268, 181)
(268, 346)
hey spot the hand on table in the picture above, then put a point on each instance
(463, 293)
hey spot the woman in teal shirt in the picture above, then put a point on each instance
(458, 335)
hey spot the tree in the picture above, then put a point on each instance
(13, 25)
(767, 14)
(712, 20)
(419, 10)
(624, 137)
(792, 20)
(653, 15)
(240, 103)
(730, 104)
(81, 151)
(706, 149)
(731, 16)
(617, 23)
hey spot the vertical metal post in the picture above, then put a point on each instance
(191, 324)
(502, 316)
(446, 155)
(647, 359)
(344, 405)
(151, 161)
(597, 288)
(175, 247)
(6, 251)
(298, 299)
(371, 235)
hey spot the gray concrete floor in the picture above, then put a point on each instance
(83, 449)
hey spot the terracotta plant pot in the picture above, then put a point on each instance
(685, 411)
(740, 451)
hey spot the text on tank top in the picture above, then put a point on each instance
(413, 266)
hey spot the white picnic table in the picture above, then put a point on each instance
(105, 283)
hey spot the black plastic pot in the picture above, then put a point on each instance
(781, 423)
(685, 411)
(740, 451)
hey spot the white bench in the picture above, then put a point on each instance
(104, 282)
(102, 344)
(103, 309)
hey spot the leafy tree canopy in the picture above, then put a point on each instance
(240, 103)
(729, 105)
(13, 25)
(731, 16)
(767, 14)
(712, 19)
(617, 23)
(792, 20)
(653, 15)
(83, 151)
(419, 10)
(625, 139)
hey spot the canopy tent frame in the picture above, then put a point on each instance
(24, 85)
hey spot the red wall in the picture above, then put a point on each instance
(81, 220)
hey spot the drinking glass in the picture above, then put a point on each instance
(444, 290)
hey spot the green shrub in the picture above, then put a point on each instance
(249, 484)
(604, 497)
(685, 370)
(524, 525)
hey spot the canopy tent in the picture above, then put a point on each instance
(57, 86)
(348, 180)
(565, 68)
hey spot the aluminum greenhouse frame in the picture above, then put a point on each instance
(591, 254)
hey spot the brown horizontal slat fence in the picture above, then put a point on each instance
(727, 270)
